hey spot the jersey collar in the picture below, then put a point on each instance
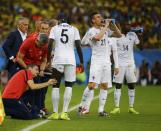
(64, 24)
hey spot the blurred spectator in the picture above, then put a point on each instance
(37, 29)
(156, 73)
(137, 13)
(144, 73)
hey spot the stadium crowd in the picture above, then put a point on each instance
(144, 14)
(150, 76)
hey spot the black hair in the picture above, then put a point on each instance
(63, 18)
(91, 16)
(42, 37)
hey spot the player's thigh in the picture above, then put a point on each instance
(106, 75)
(70, 73)
(119, 78)
(130, 74)
(95, 74)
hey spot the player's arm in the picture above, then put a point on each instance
(139, 40)
(34, 86)
(115, 58)
(79, 50)
(100, 35)
(116, 31)
(20, 61)
(51, 44)
(50, 47)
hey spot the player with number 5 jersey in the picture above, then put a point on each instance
(64, 36)
(63, 39)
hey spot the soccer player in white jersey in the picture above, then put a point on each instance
(112, 49)
(126, 70)
(64, 38)
(100, 69)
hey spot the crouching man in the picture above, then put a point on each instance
(15, 89)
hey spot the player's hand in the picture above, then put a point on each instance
(116, 71)
(41, 73)
(47, 65)
(52, 81)
(107, 22)
(14, 60)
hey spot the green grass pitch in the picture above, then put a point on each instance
(147, 102)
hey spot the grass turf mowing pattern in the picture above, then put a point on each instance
(147, 103)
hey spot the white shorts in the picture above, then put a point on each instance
(125, 71)
(68, 70)
(100, 74)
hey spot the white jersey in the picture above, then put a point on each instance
(64, 36)
(100, 49)
(112, 44)
(113, 50)
(125, 48)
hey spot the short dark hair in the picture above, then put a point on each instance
(92, 15)
(63, 18)
(42, 37)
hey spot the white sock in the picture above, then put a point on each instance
(131, 94)
(67, 98)
(117, 95)
(85, 97)
(91, 95)
(102, 99)
(55, 99)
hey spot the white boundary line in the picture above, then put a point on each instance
(29, 128)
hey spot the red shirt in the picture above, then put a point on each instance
(32, 53)
(33, 34)
(17, 85)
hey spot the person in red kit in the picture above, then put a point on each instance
(16, 87)
(34, 51)
(41, 27)
(37, 29)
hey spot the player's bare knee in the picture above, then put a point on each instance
(118, 85)
(91, 85)
(131, 86)
(104, 86)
